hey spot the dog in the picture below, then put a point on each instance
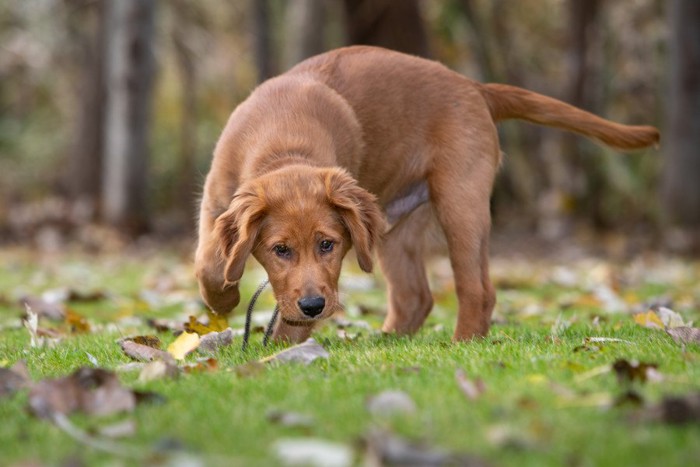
(364, 147)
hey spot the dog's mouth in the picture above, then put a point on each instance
(293, 316)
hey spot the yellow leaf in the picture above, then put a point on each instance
(649, 320)
(217, 323)
(184, 344)
(78, 324)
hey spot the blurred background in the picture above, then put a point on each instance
(109, 110)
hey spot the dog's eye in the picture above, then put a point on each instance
(326, 246)
(282, 250)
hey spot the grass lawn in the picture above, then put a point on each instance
(549, 398)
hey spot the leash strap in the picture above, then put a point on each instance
(249, 318)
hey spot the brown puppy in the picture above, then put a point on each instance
(363, 147)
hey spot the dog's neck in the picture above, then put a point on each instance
(281, 159)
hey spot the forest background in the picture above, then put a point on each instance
(109, 111)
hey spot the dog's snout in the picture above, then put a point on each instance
(311, 306)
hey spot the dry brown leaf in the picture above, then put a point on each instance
(206, 365)
(142, 352)
(94, 391)
(630, 371)
(184, 344)
(473, 389)
(685, 335)
(14, 378)
(213, 341)
(674, 410)
(48, 309)
(150, 341)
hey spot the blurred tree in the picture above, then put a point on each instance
(86, 30)
(394, 24)
(262, 39)
(568, 164)
(681, 182)
(188, 19)
(130, 76)
(305, 29)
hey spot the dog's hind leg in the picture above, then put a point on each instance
(401, 260)
(460, 189)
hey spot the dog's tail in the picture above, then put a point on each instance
(512, 102)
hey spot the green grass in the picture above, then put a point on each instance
(221, 417)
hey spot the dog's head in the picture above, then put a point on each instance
(299, 222)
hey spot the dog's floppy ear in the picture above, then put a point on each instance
(237, 230)
(359, 213)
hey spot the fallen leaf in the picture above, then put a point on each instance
(184, 344)
(94, 391)
(313, 452)
(150, 341)
(671, 319)
(389, 403)
(205, 365)
(77, 323)
(165, 325)
(649, 320)
(290, 419)
(143, 352)
(471, 388)
(386, 449)
(630, 371)
(53, 310)
(14, 378)
(213, 341)
(684, 335)
(216, 323)
(305, 353)
(249, 369)
(674, 410)
(158, 369)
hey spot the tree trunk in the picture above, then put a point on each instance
(184, 188)
(305, 29)
(565, 164)
(394, 24)
(83, 177)
(130, 73)
(262, 44)
(681, 182)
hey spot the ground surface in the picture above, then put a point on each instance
(561, 380)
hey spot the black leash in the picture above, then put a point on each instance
(249, 316)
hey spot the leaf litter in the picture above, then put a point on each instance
(304, 353)
(389, 403)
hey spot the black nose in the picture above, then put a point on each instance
(311, 306)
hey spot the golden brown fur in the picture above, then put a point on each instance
(308, 166)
